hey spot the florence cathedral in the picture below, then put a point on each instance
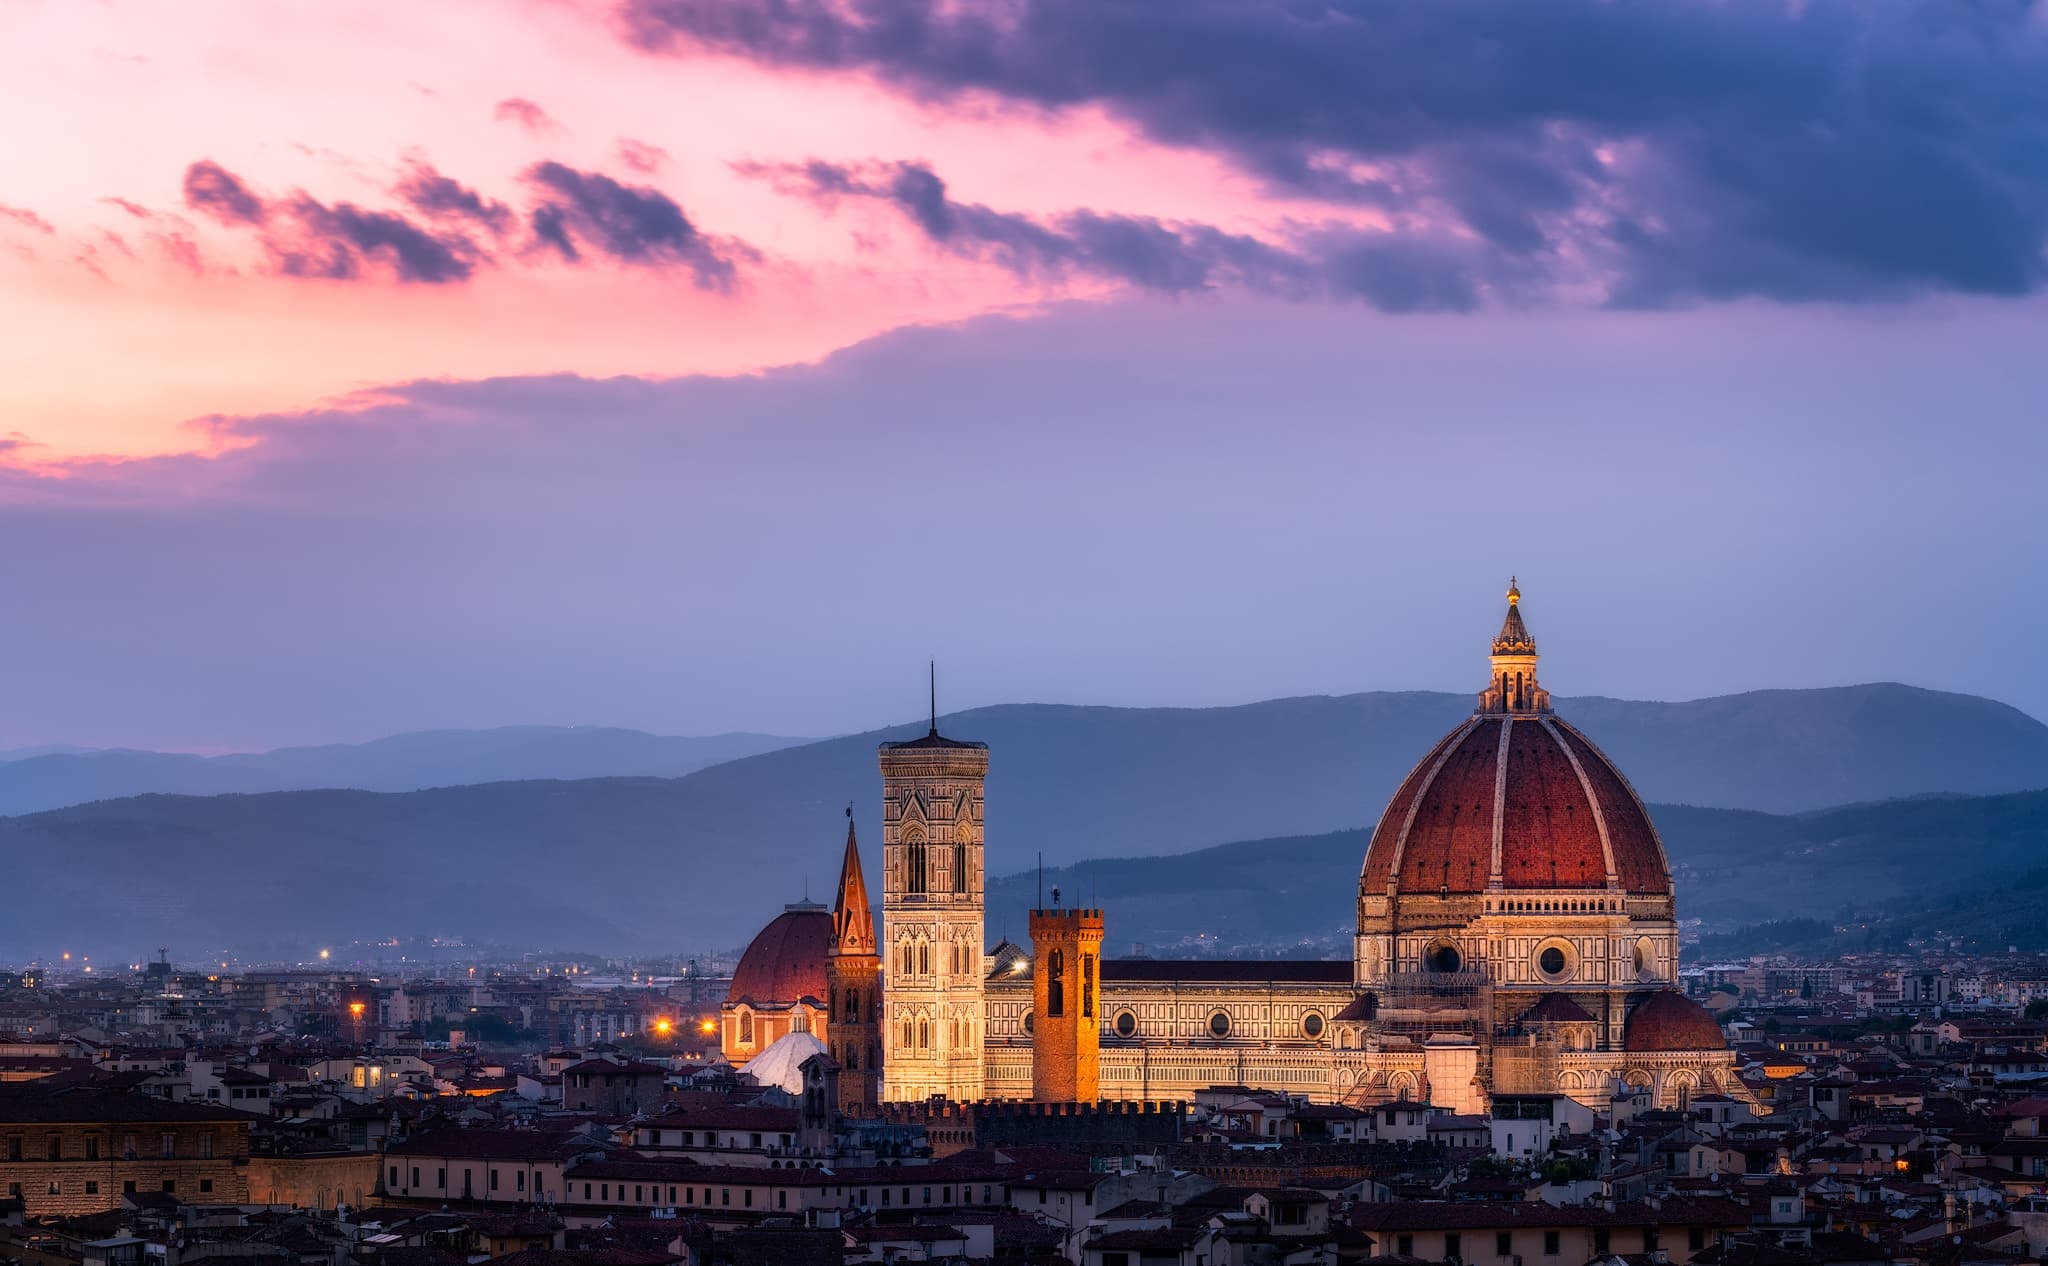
(1516, 935)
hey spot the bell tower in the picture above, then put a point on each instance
(1066, 1024)
(932, 906)
(853, 977)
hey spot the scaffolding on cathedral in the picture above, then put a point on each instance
(1418, 1005)
(1525, 1064)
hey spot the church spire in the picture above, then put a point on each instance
(853, 924)
(1513, 687)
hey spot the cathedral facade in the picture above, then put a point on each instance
(1516, 934)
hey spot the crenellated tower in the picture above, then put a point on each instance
(1066, 1014)
(853, 976)
(932, 907)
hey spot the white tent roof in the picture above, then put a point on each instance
(782, 1063)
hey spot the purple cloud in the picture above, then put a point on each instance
(309, 238)
(1674, 151)
(633, 224)
(215, 191)
(1392, 274)
(437, 196)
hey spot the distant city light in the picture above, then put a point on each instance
(324, 954)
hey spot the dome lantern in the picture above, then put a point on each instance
(1512, 687)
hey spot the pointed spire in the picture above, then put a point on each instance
(1514, 636)
(853, 923)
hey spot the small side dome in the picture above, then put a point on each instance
(785, 962)
(1555, 1008)
(1670, 1021)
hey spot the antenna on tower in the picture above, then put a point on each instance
(934, 666)
(1041, 879)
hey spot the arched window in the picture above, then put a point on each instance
(909, 1034)
(924, 958)
(959, 868)
(924, 1034)
(853, 1006)
(913, 863)
(1055, 984)
(746, 1028)
(1088, 985)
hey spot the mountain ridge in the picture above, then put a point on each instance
(622, 861)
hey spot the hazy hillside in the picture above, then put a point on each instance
(1923, 862)
(705, 859)
(600, 863)
(2011, 914)
(34, 779)
(1332, 761)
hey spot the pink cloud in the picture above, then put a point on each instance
(642, 157)
(526, 114)
(26, 219)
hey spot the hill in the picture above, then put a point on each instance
(35, 779)
(703, 860)
(1914, 867)
(1334, 760)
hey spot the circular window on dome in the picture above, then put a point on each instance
(1030, 1022)
(1219, 1024)
(1126, 1023)
(1312, 1025)
(1555, 961)
(1442, 956)
(1646, 959)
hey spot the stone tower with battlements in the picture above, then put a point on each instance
(853, 977)
(1066, 1011)
(932, 906)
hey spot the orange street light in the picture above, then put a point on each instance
(708, 1027)
(664, 1026)
(356, 1009)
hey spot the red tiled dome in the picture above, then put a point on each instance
(1527, 789)
(1670, 1021)
(786, 960)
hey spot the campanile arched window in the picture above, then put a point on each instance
(914, 862)
(1055, 984)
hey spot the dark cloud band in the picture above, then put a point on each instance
(1665, 149)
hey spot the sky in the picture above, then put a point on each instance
(694, 366)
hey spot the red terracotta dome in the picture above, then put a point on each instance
(1521, 795)
(786, 960)
(1670, 1021)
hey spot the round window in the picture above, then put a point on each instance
(1030, 1022)
(1443, 956)
(1219, 1024)
(1126, 1023)
(1551, 961)
(1312, 1025)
